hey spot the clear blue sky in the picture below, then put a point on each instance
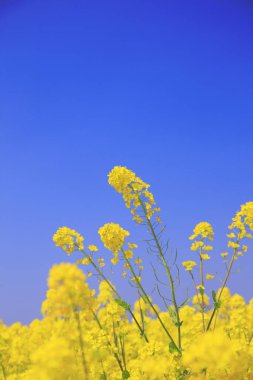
(163, 87)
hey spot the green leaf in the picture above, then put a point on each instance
(214, 296)
(122, 303)
(125, 374)
(103, 376)
(178, 324)
(184, 303)
(217, 304)
(172, 347)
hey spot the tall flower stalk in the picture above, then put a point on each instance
(141, 202)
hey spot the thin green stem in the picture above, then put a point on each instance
(202, 290)
(222, 288)
(108, 342)
(115, 292)
(85, 368)
(168, 272)
(148, 300)
(196, 289)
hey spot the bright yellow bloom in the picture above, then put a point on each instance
(205, 256)
(120, 178)
(128, 253)
(209, 276)
(200, 287)
(202, 230)
(196, 245)
(189, 265)
(207, 248)
(224, 254)
(113, 236)
(92, 248)
(68, 239)
(134, 191)
(68, 291)
(85, 261)
(245, 248)
(232, 244)
(132, 245)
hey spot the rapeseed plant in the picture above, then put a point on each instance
(89, 335)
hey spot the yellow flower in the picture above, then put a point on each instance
(92, 248)
(134, 191)
(120, 178)
(68, 239)
(209, 276)
(207, 248)
(189, 265)
(224, 254)
(113, 236)
(232, 244)
(205, 256)
(200, 287)
(231, 235)
(203, 230)
(67, 292)
(129, 254)
(196, 245)
(85, 261)
(115, 259)
(132, 245)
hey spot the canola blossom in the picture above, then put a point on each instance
(88, 334)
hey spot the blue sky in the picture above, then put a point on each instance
(163, 87)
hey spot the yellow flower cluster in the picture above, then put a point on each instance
(202, 230)
(189, 265)
(135, 193)
(68, 239)
(68, 291)
(108, 346)
(242, 226)
(113, 236)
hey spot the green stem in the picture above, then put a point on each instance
(115, 292)
(222, 288)
(202, 291)
(168, 272)
(85, 368)
(148, 300)
(108, 342)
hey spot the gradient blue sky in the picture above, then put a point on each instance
(163, 87)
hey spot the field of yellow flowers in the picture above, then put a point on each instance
(99, 336)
